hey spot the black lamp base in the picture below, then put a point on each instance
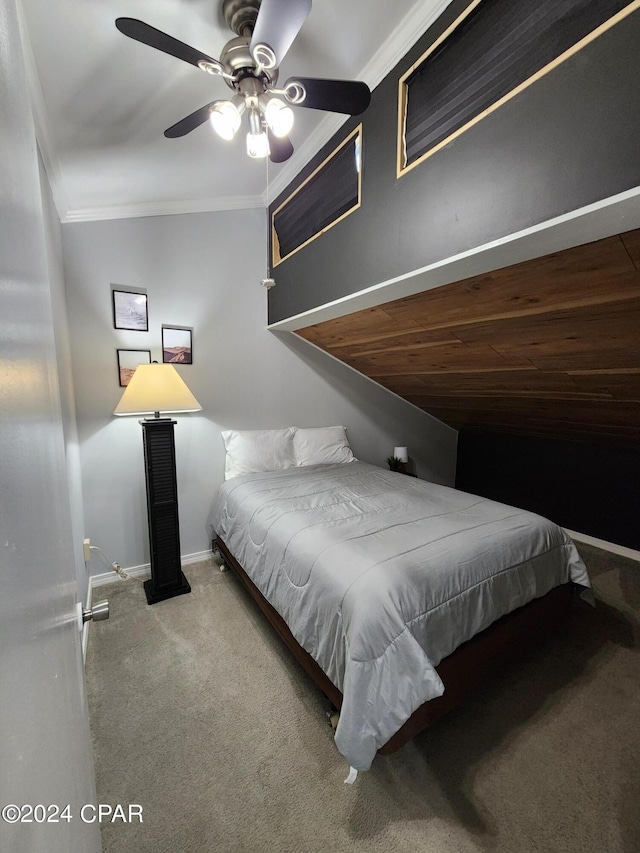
(154, 595)
(167, 578)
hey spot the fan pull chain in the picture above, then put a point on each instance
(268, 283)
(267, 206)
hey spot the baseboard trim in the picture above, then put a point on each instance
(620, 550)
(140, 571)
(143, 570)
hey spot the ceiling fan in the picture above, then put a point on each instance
(249, 63)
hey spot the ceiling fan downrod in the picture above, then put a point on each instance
(240, 15)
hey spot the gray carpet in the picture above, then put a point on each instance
(199, 714)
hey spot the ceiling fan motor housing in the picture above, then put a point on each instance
(240, 15)
(236, 55)
(238, 62)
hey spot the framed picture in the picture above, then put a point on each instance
(128, 360)
(176, 345)
(130, 311)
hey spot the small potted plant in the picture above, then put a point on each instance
(396, 464)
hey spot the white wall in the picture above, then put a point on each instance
(53, 244)
(204, 270)
(44, 732)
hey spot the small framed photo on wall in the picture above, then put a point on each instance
(177, 345)
(128, 360)
(130, 310)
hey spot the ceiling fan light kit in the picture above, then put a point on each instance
(249, 63)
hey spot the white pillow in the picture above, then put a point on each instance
(322, 446)
(249, 451)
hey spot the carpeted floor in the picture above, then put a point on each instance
(199, 714)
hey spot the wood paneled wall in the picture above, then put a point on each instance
(547, 347)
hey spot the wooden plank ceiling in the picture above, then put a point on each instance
(549, 347)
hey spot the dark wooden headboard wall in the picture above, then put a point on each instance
(549, 347)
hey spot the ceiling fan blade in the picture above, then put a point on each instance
(335, 96)
(149, 35)
(280, 147)
(277, 25)
(186, 125)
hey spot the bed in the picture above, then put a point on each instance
(395, 593)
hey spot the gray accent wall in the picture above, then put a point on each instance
(567, 141)
(204, 271)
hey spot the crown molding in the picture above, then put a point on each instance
(162, 208)
(402, 39)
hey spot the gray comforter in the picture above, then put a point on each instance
(379, 576)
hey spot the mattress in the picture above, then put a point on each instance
(379, 576)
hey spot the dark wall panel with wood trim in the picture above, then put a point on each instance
(538, 364)
(495, 50)
(568, 140)
(597, 493)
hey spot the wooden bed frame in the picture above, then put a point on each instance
(464, 670)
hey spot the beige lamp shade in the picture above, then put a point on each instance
(156, 388)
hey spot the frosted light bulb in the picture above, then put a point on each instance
(257, 145)
(279, 117)
(225, 119)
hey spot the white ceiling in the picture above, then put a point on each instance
(102, 101)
